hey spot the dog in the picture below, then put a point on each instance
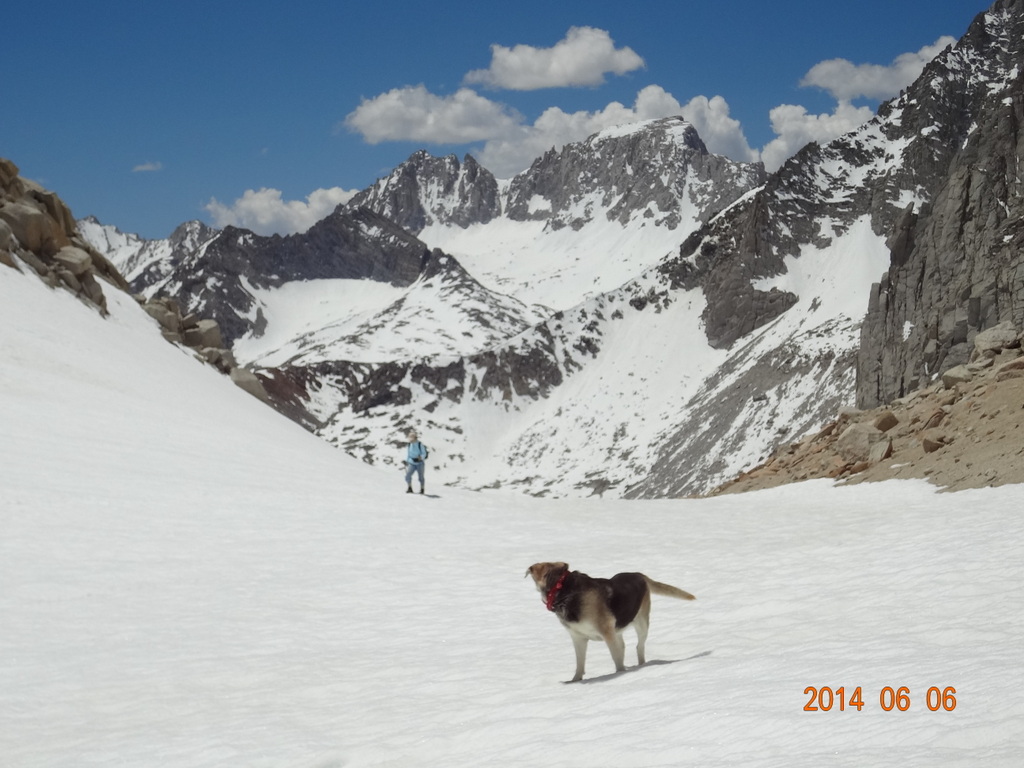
(600, 609)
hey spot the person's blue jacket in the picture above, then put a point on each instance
(416, 452)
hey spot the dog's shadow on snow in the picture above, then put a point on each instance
(638, 668)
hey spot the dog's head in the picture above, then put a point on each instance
(545, 574)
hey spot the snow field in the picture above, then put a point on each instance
(188, 579)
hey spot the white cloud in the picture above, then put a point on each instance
(847, 81)
(266, 213)
(586, 54)
(582, 58)
(508, 155)
(795, 128)
(510, 144)
(148, 167)
(413, 113)
(722, 134)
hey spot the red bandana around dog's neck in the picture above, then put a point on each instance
(553, 592)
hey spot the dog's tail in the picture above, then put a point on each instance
(667, 589)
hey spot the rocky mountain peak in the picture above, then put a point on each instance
(658, 170)
(427, 190)
(191, 235)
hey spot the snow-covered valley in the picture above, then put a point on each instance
(189, 579)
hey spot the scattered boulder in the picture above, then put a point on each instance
(885, 421)
(935, 419)
(968, 436)
(992, 341)
(75, 260)
(857, 440)
(880, 451)
(250, 382)
(957, 375)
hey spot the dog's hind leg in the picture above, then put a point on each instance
(579, 644)
(641, 624)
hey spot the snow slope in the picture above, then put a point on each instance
(561, 268)
(647, 383)
(188, 579)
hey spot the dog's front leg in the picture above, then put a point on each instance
(579, 643)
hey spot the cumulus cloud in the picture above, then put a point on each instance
(582, 58)
(795, 128)
(847, 81)
(413, 113)
(722, 134)
(265, 212)
(509, 143)
(148, 167)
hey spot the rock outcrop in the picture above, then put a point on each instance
(217, 279)
(659, 170)
(957, 257)
(964, 431)
(38, 231)
(427, 190)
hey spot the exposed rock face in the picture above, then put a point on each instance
(656, 170)
(428, 190)
(146, 262)
(963, 432)
(659, 170)
(38, 228)
(215, 280)
(957, 265)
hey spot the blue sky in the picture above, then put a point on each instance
(265, 114)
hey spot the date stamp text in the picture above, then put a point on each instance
(828, 699)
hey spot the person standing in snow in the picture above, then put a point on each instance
(415, 456)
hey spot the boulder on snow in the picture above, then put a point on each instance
(248, 381)
(205, 333)
(164, 314)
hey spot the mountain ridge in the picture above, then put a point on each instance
(731, 327)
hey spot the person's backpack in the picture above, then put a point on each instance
(426, 452)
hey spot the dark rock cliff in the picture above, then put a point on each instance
(957, 264)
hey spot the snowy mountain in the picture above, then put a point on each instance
(647, 319)
(580, 221)
(146, 262)
(191, 581)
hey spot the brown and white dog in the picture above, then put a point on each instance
(600, 609)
